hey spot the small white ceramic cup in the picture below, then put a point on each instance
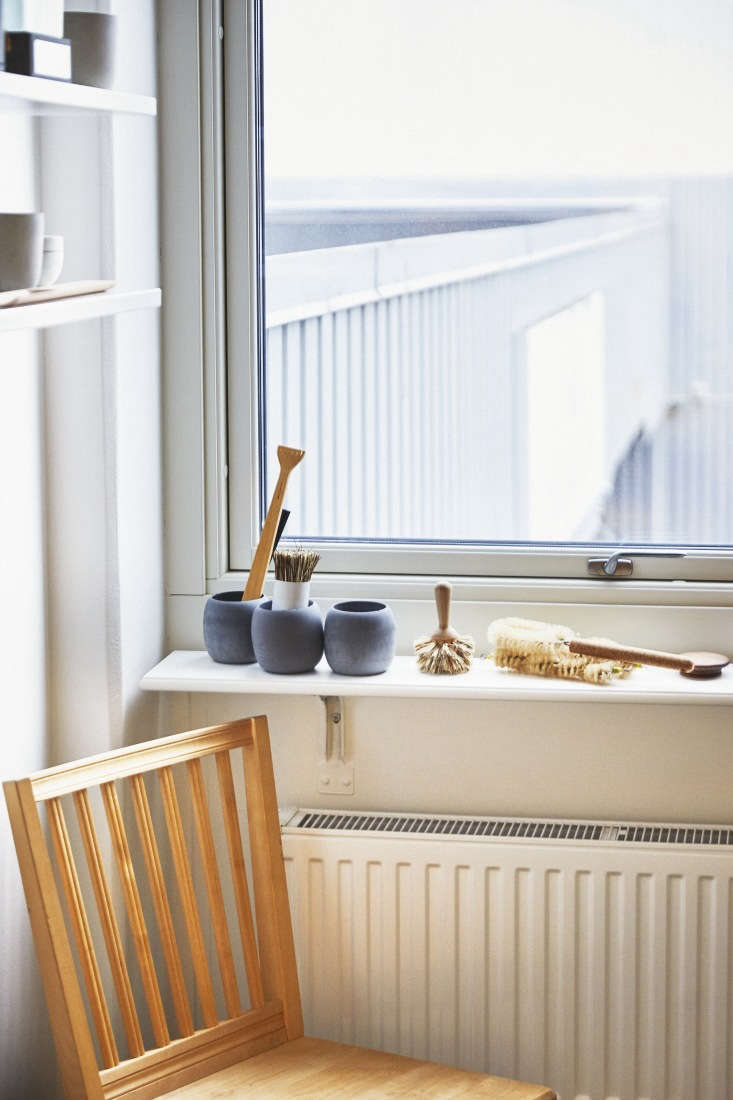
(290, 595)
(21, 250)
(53, 260)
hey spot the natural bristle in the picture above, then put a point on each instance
(444, 658)
(295, 565)
(541, 649)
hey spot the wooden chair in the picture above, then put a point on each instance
(257, 1051)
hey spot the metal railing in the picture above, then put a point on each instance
(417, 374)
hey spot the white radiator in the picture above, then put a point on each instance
(594, 958)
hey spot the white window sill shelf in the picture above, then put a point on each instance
(194, 671)
(85, 307)
(37, 96)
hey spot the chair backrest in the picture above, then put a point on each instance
(274, 1013)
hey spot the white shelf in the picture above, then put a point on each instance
(65, 311)
(36, 96)
(194, 671)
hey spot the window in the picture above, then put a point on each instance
(496, 265)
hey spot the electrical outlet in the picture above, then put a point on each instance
(335, 777)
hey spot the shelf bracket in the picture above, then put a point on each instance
(335, 775)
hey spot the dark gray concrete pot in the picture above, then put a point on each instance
(289, 641)
(228, 628)
(359, 637)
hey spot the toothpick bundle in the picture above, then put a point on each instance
(293, 572)
(295, 565)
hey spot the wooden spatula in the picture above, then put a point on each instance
(288, 457)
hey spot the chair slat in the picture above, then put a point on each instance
(82, 933)
(188, 897)
(135, 915)
(110, 930)
(239, 878)
(159, 1072)
(146, 757)
(162, 906)
(213, 887)
(275, 933)
(77, 1059)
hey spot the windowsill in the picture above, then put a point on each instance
(194, 671)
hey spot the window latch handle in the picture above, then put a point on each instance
(621, 562)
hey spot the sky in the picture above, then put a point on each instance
(477, 88)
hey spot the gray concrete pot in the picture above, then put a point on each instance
(288, 641)
(228, 628)
(92, 35)
(359, 637)
(21, 250)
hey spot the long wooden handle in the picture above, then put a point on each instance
(631, 654)
(445, 632)
(289, 458)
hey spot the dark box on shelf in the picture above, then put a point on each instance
(37, 55)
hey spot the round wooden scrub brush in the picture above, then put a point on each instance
(445, 652)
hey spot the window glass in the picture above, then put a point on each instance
(499, 246)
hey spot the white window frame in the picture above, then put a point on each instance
(211, 360)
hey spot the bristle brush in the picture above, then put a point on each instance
(541, 649)
(445, 652)
(546, 649)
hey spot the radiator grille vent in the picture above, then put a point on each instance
(674, 834)
(430, 825)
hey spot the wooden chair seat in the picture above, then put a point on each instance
(313, 1069)
(247, 1041)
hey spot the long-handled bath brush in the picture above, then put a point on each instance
(541, 649)
(445, 651)
(547, 649)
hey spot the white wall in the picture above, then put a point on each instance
(23, 745)
(616, 761)
(81, 583)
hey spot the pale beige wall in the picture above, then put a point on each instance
(647, 762)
